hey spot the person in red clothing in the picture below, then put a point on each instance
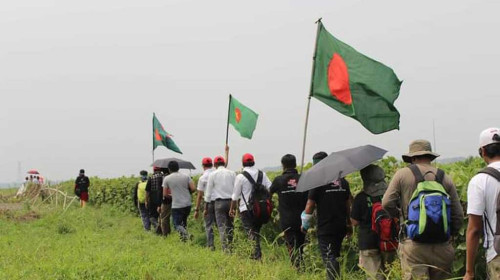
(82, 184)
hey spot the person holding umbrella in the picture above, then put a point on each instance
(333, 203)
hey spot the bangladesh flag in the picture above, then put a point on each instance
(354, 84)
(162, 138)
(242, 118)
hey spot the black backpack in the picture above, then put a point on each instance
(260, 205)
(496, 234)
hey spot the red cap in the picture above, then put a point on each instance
(219, 159)
(206, 161)
(156, 168)
(248, 158)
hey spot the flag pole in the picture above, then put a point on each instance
(153, 150)
(226, 148)
(318, 22)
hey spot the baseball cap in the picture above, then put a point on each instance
(248, 158)
(206, 161)
(489, 136)
(219, 159)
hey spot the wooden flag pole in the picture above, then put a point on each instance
(318, 22)
(153, 150)
(226, 148)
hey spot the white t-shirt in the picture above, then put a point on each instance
(203, 181)
(220, 184)
(482, 196)
(242, 185)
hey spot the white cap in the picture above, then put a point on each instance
(489, 136)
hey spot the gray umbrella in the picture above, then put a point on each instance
(182, 163)
(339, 164)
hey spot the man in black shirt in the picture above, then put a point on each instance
(154, 196)
(82, 184)
(371, 259)
(291, 204)
(333, 203)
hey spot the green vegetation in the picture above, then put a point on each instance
(106, 240)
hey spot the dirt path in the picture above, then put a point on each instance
(10, 206)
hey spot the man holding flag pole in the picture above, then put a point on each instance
(358, 87)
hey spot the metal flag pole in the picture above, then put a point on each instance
(318, 22)
(226, 148)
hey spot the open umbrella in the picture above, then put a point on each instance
(183, 164)
(337, 165)
(33, 171)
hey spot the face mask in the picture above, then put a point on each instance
(144, 178)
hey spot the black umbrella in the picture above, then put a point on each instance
(337, 165)
(182, 163)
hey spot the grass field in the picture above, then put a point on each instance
(104, 243)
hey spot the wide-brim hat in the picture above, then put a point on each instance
(419, 148)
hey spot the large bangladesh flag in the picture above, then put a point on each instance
(242, 118)
(162, 138)
(354, 84)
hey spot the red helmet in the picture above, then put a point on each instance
(219, 159)
(206, 161)
(248, 158)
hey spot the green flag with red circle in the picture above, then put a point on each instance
(354, 84)
(243, 119)
(162, 138)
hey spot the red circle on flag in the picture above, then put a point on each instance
(237, 114)
(338, 79)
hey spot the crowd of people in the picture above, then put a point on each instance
(413, 218)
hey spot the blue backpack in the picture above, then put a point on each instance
(429, 210)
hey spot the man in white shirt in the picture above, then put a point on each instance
(482, 195)
(219, 190)
(242, 192)
(210, 216)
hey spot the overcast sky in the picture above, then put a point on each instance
(80, 80)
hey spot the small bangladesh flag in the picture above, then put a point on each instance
(242, 118)
(354, 84)
(162, 138)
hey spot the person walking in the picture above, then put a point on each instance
(219, 192)
(179, 187)
(333, 203)
(242, 192)
(210, 214)
(140, 199)
(82, 184)
(482, 203)
(291, 204)
(424, 256)
(154, 203)
(371, 259)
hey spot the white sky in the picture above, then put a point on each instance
(80, 80)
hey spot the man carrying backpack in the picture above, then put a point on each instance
(333, 203)
(154, 195)
(252, 183)
(378, 232)
(425, 249)
(291, 204)
(140, 199)
(219, 192)
(483, 201)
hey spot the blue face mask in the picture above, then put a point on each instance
(144, 178)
